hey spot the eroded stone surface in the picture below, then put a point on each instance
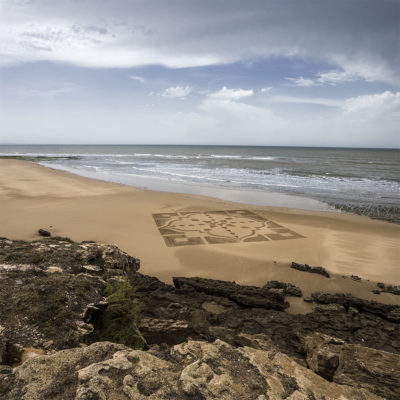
(354, 365)
(194, 369)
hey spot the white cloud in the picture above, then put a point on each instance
(137, 78)
(266, 89)
(231, 94)
(380, 105)
(333, 77)
(320, 101)
(177, 92)
(336, 77)
(44, 90)
(302, 82)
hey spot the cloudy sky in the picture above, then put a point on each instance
(257, 72)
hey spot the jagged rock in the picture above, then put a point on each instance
(145, 283)
(43, 232)
(394, 315)
(246, 296)
(313, 270)
(354, 365)
(93, 309)
(3, 346)
(388, 311)
(45, 305)
(53, 376)
(164, 330)
(355, 278)
(70, 256)
(193, 369)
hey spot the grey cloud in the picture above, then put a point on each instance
(360, 37)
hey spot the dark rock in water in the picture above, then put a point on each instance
(247, 296)
(347, 300)
(313, 270)
(43, 232)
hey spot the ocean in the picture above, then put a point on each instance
(362, 181)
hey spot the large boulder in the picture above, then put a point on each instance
(54, 376)
(354, 365)
(190, 370)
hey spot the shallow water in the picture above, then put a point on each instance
(364, 181)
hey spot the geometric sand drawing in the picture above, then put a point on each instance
(216, 227)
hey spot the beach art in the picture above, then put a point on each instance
(217, 227)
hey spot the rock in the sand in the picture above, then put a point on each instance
(193, 369)
(355, 278)
(43, 232)
(313, 270)
(354, 365)
(393, 289)
(288, 288)
(388, 311)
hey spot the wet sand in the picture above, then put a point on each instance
(243, 243)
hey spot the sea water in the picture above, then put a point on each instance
(364, 181)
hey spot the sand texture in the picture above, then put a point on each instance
(187, 235)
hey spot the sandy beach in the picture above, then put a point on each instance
(188, 235)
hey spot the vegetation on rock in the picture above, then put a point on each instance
(119, 322)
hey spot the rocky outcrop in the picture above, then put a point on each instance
(49, 289)
(387, 311)
(193, 369)
(54, 376)
(246, 296)
(354, 365)
(313, 270)
(207, 339)
(67, 255)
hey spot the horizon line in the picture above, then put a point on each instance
(197, 145)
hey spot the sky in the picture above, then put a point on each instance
(226, 72)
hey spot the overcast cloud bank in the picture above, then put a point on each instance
(257, 72)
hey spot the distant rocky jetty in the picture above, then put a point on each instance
(99, 329)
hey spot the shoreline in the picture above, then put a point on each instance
(252, 197)
(34, 196)
(156, 168)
